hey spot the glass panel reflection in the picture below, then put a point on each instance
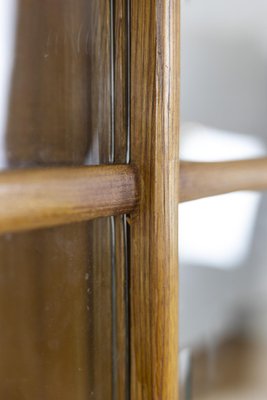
(62, 300)
(55, 288)
(55, 82)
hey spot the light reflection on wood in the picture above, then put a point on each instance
(55, 296)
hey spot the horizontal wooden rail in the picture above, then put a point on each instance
(40, 198)
(204, 179)
(53, 196)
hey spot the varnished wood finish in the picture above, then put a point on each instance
(60, 115)
(49, 197)
(56, 339)
(50, 117)
(54, 196)
(46, 335)
(121, 350)
(47, 339)
(101, 252)
(154, 253)
(203, 179)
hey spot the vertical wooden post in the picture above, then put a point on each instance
(154, 231)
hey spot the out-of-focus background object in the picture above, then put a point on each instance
(8, 17)
(223, 256)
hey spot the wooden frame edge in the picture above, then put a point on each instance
(154, 230)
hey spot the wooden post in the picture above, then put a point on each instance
(154, 253)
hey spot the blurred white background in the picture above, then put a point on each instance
(224, 88)
(8, 16)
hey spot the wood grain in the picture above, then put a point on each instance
(121, 348)
(154, 253)
(99, 241)
(47, 342)
(49, 197)
(56, 283)
(204, 179)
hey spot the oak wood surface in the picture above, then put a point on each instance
(154, 149)
(203, 179)
(56, 341)
(53, 196)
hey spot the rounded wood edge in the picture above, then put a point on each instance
(39, 198)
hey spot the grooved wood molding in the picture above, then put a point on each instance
(154, 231)
(89, 309)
